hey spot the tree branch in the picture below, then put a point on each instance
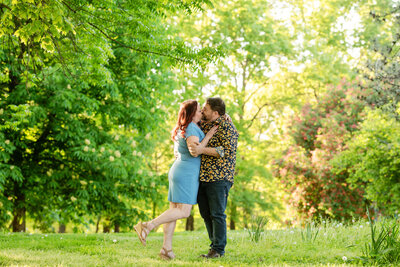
(60, 54)
(4, 6)
(255, 91)
(125, 45)
(267, 104)
(256, 115)
(137, 49)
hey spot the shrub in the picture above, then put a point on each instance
(257, 226)
(372, 160)
(318, 134)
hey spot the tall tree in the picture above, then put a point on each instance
(252, 42)
(381, 67)
(76, 100)
(376, 169)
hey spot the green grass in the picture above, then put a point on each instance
(276, 248)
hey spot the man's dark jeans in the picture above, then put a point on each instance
(212, 199)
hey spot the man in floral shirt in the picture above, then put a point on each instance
(216, 173)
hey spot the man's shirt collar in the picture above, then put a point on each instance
(216, 122)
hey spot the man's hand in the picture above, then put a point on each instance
(195, 149)
(227, 117)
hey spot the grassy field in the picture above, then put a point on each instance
(334, 245)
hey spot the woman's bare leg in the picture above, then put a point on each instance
(169, 229)
(175, 212)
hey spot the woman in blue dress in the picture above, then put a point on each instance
(183, 176)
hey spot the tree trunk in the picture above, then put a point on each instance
(61, 228)
(106, 228)
(19, 212)
(97, 223)
(232, 224)
(233, 217)
(18, 223)
(116, 228)
(190, 223)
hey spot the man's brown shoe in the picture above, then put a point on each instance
(211, 254)
(205, 255)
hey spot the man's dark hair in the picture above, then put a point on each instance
(217, 104)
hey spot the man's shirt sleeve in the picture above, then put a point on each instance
(228, 141)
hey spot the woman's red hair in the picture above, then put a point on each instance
(185, 116)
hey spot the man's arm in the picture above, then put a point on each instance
(210, 151)
(228, 144)
(196, 149)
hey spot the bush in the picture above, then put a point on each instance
(372, 160)
(318, 134)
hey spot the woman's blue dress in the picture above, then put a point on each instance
(184, 174)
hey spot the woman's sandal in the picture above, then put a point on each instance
(164, 254)
(142, 232)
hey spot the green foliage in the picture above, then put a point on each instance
(88, 94)
(318, 134)
(80, 145)
(250, 39)
(322, 45)
(83, 86)
(372, 160)
(61, 30)
(384, 247)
